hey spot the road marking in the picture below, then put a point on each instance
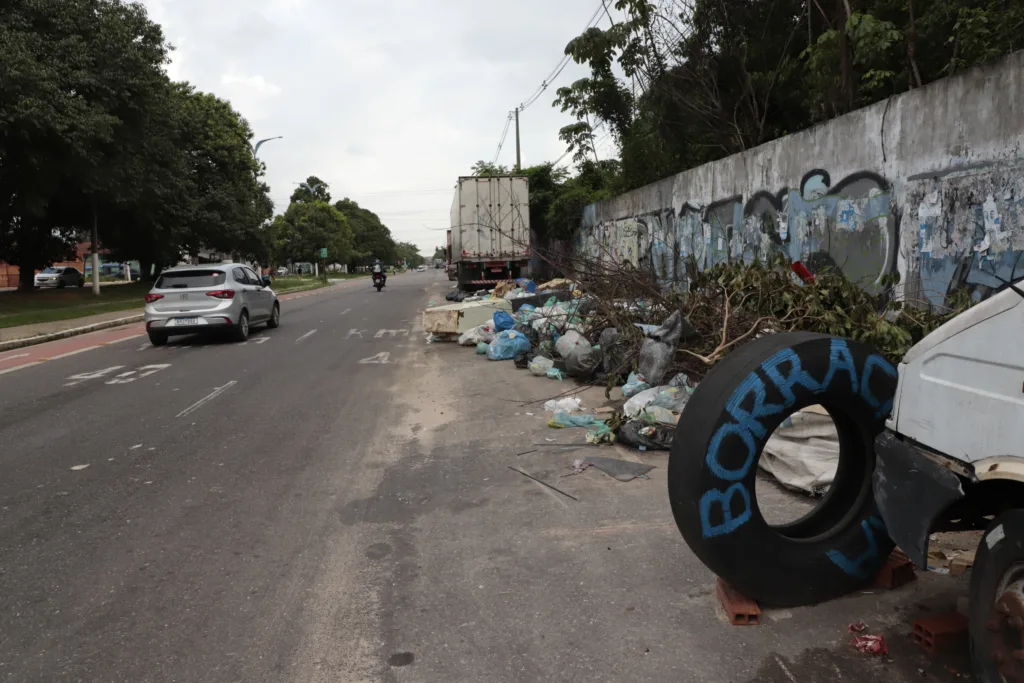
(306, 336)
(20, 367)
(78, 468)
(144, 371)
(393, 333)
(261, 340)
(351, 333)
(379, 358)
(82, 377)
(144, 347)
(346, 311)
(206, 399)
(17, 355)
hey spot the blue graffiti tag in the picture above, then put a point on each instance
(866, 561)
(724, 500)
(876, 361)
(785, 371)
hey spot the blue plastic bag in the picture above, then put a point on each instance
(563, 419)
(503, 321)
(529, 285)
(507, 345)
(634, 385)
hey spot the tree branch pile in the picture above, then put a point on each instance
(730, 304)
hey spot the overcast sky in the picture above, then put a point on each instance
(389, 101)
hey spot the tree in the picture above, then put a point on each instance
(410, 253)
(439, 253)
(683, 82)
(486, 168)
(77, 78)
(313, 189)
(371, 238)
(308, 226)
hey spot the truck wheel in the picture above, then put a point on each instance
(996, 611)
(712, 469)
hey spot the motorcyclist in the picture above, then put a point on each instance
(378, 268)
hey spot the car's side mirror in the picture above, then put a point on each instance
(266, 280)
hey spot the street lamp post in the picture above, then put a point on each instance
(255, 150)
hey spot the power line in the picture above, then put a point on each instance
(504, 134)
(562, 63)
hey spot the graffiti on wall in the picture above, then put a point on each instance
(963, 231)
(849, 226)
(943, 232)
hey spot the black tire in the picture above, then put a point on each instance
(712, 469)
(379, 286)
(61, 284)
(157, 339)
(998, 562)
(81, 283)
(275, 317)
(241, 332)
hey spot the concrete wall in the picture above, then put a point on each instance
(929, 183)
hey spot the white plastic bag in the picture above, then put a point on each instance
(640, 401)
(570, 404)
(480, 333)
(540, 365)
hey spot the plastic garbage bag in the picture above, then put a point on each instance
(653, 413)
(563, 419)
(602, 434)
(481, 347)
(527, 332)
(659, 349)
(555, 373)
(503, 321)
(523, 315)
(522, 361)
(569, 404)
(635, 405)
(480, 333)
(507, 345)
(540, 365)
(683, 380)
(671, 398)
(613, 353)
(583, 365)
(546, 348)
(634, 385)
(571, 343)
(642, 435)
(529, 285)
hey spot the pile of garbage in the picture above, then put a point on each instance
(551, 333)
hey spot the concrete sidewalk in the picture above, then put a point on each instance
(57, 326)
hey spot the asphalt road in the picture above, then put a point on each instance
(333, 502)
(171, 514)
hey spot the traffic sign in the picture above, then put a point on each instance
(323, 252)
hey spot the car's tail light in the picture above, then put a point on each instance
(150, 298)
(222, 294)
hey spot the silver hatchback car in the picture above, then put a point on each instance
(226, 297)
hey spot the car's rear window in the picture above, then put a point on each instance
(191, 279)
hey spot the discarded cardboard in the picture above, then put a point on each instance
(462, 317)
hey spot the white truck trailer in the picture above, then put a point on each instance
(490, 230)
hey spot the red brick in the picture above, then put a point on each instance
(938, 632)
(741, 610)
(897, 571)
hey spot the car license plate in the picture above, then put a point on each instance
(186, 321)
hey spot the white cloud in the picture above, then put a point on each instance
(389, 101)
(256, 83)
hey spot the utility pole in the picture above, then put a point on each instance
(519, 161)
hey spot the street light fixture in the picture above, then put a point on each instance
(255, 150)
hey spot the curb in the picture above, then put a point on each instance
(64, 334)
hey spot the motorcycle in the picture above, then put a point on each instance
(378, 281)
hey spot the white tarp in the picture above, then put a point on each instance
(803, 453)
